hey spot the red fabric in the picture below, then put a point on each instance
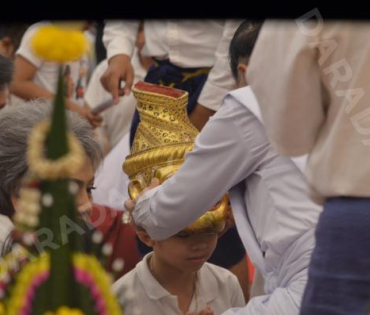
(250, 271)
(120, 235)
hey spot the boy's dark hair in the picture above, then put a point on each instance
(242, 43)
(6, 72)
(14, 31)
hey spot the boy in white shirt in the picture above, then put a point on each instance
(176, 279)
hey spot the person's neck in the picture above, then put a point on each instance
(174, 280)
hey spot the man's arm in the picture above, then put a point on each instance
(219, 82)
(24, 87)
(119, 39)
(225, 153)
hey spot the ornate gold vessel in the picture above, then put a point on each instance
(163, 137)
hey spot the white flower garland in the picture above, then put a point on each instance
(44, 168)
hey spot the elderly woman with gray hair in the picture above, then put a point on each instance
(16, 123)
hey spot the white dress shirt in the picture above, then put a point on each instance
(274, 215)
(110, 180)
(311, 81)
(138, 291)
(186, 43)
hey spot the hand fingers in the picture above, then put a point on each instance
(94, 120)
(130, 205)
(94, 123)
(121, 92)
(98, 118)
(110, 81)
(154, 183)
(114, 88)
(206, 311)
(129, 80)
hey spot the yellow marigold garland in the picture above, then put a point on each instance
(58, 44)
(24, 279)
(65, 311)
(42, 264)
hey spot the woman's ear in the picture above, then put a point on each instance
(145, 238)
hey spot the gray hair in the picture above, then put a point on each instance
(16, 123)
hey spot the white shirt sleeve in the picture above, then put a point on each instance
(120, 37)
(25, 49)
(220, 80)
(280, 302)
(284, 71)
(226, 151)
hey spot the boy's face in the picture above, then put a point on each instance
(187, 253)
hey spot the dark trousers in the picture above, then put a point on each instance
(339, 273)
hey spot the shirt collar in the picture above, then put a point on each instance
(208, 284)
(151, 286)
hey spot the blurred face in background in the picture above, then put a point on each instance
(4, 94)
